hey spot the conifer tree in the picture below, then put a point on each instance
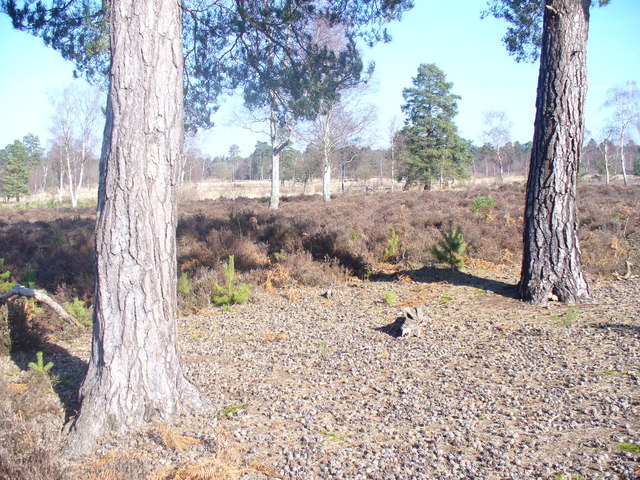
(14, 182)
(433, 148)
(134, 372)
(555, 31)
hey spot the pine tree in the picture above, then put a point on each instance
(134, 372)
(451, 249)
(433, 149)
(15, 175)
(555, 31)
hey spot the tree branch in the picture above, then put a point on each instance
(41, 297)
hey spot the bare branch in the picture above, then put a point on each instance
(42, 297)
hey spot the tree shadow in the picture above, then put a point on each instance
(29, 337)
(431, 274)
(619, 328)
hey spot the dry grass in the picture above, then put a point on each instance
(306, 242)
(28, 441)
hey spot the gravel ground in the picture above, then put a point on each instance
(308, 387)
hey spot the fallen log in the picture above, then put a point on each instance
(41, 297)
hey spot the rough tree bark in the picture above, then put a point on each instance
(551, 259)
(135, 373)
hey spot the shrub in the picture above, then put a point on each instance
(5, 332)
(27, 438)
(304, 270)
(233, 291)
(452, 247)
(183, 284)
(390, 297)
(483, 205)
(78, 310)
(5, 284)
(30, 278)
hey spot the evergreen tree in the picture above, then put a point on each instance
(14, 161)
(433, 148)
(555, 31)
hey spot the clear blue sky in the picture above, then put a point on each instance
(447, 33)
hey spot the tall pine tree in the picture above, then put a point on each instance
(433, 149)
(134, 373)
(14, 162)
(556, 31)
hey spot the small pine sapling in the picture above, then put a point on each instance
(30, 278)
(5, 284)
(483, 206)
(39, 366)
(451, 249)
(391, 252)
(233, 291)
(390, 298)
(78, 310)
(183, 285)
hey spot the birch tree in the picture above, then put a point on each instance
(77, 117)
(341, 123)
(497, 133)
(624, 101)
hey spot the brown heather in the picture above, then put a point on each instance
(318, 243)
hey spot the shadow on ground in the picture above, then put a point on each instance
(394, 329)
(28, 338)
(431, 274)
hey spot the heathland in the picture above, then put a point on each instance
(305, 384)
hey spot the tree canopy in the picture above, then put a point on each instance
(524, 34)
(230, 44)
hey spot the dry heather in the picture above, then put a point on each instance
(316, 243)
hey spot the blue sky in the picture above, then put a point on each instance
(448, 33)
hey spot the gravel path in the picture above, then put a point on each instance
(305, 387)
(494, 388)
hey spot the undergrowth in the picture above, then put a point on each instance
(315, 244)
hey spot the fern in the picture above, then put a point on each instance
(232, 292)
(451, 248)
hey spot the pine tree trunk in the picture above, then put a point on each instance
(551, 259)
(135, 373)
